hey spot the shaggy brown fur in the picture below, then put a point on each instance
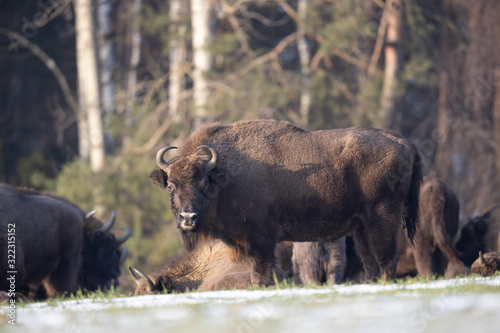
(319, 262)
(274, 182)
(51, 237)
(209, 266)
(487, 264)
(434, 252)
(480, 234)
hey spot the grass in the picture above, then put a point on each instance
(470, 287)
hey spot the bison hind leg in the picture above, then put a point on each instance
(365, 254)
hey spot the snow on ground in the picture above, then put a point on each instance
(341, 308)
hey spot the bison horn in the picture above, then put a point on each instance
(120, 240)
(159, 157)
(481, 258)
(91, 213)
(215, 157)
(107, 227)
(138, 275)
(124, 254)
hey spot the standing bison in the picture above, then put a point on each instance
(255, 183)
(434, 252)
(56, 245)
(481, 233)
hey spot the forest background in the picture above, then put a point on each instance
(90, 90)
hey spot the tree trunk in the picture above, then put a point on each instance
(177, 56)
(88, 84)
(202, 30)
(135, 50)
(305, 94)
(392, 52)
(467, 137)
(106, 55)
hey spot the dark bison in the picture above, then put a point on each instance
(319, 262)
(48, 241)
(210, 266)
(255, 183)
(481, 233)
(487, 264)
(434, 252)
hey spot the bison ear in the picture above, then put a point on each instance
(159, 178)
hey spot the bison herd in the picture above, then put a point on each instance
(257, 202)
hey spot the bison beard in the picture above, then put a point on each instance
(261, 182)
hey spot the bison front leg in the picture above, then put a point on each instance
(263, 262)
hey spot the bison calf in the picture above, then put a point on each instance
(210, 266)
(433, 252)
(487, 264)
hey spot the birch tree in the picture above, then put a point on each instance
(91, 133)
(202, 30)
(305, 94)
(177, 56)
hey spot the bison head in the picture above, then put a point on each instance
(102, 254)
(147, 285)
(471, 240)
(191, 182)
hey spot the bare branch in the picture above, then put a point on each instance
(377, 50)
(271, 55)
(49, 63)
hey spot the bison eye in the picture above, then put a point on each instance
(171, 188)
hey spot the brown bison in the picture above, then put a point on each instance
(48, 241)
(255, 183)
(319, 262)
(487, 264)
(433, 252)
(210, 266)
(481, 233)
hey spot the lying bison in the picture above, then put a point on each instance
(210, 266)
(319, 262)
(48, 241)
(481, 233)
(487, 264)
(255, 183)
(433, 252)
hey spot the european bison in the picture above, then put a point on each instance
(210, 266)
(55, 244)
(319, 262)
(255, 183)
(481, 233)
(433, 252)
(487, 264)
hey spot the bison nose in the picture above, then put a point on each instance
(188, 220)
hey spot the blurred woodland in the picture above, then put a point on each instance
(90, 90)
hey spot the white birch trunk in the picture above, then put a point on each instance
(201, 22)
(88, 82)
(135, 51)
(305, 94)
(177, 57)
(106, 55)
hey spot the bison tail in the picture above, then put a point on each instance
(412, 203)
